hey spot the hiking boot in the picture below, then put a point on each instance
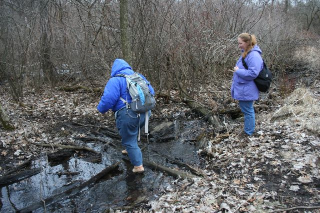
(124, 152)
(138, 169)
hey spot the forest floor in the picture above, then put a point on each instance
(276, 170)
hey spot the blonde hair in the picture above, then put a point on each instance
(250, 39)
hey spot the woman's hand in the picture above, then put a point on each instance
(235, 68)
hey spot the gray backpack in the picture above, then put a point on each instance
(142, 99)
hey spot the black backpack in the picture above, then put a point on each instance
(263, 80)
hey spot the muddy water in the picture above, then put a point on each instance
(118, 189)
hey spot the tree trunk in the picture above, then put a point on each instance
(45, 49)
(5, 120)
(286, 6)
(125, 44)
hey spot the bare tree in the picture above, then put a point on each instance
(46, 63)
(125, 37)
(187, 42)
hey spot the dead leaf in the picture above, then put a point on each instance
(305, 179)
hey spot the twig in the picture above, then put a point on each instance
(249, 199)
(297, 207)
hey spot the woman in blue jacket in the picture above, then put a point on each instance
(127, 121)
(243, 87)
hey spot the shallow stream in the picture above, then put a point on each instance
(59, 186)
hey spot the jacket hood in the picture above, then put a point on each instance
(257, 48)
(120, 66)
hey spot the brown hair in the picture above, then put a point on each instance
(250, 39)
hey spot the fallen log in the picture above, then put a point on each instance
(86, 139)
(106, 131)
(181, 164)
(236, 112)
(66, 147)
(169, 171)
(19, 167)
(60, 155)
(209, 116)
(80, 87)
(163, 139)
(212, 118)
(69, 192)
(10, 179)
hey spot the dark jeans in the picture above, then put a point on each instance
(128, 124)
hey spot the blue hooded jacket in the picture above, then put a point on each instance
(116, 87)
(243, 87)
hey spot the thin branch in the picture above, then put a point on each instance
(297, 207)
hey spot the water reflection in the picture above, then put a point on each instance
(122, 188)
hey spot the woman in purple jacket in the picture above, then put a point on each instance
(243, 87)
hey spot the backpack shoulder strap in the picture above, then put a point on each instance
(120, 75)
(244, 63)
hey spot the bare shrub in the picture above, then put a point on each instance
(300, 107)
(309, 55)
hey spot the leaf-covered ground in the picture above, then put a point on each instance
(274, 170)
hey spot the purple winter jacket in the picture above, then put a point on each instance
(243, 87)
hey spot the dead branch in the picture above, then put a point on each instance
(19, 167)
(233, 112)
(10, 179)
(296, 207)
(69, 192)
(209, 116)
(60, 155)
(95, 139)
(164, 139)
(172, 172)
(198, 107)
(181, 164)
(80, 87)
(67, 173)
(106, 131)
(66, 147)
